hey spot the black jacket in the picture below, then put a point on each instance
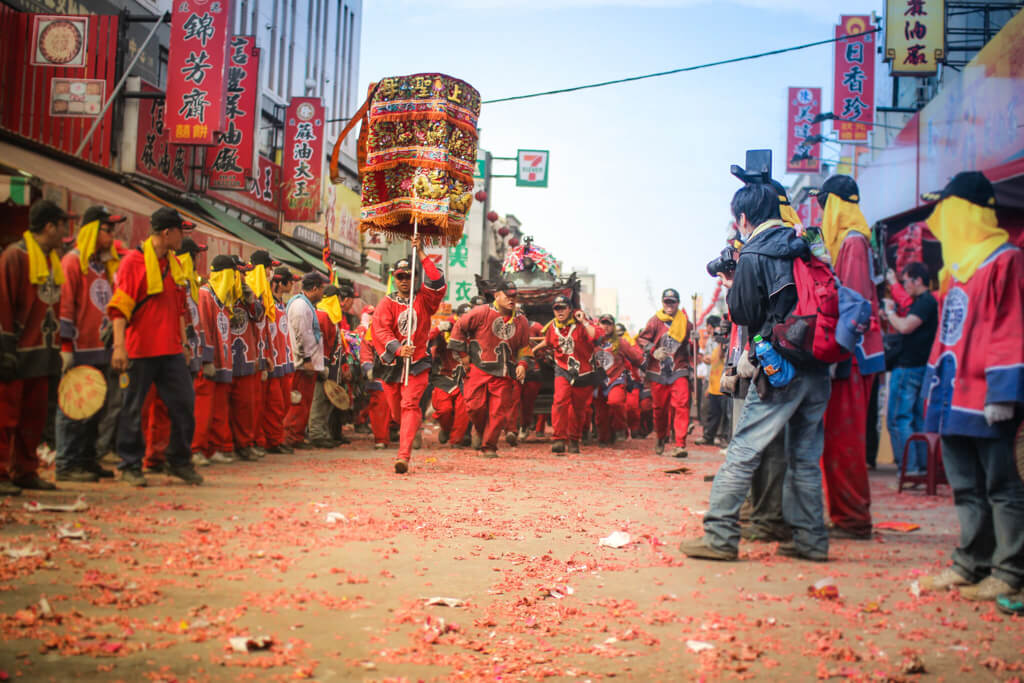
(763, 292)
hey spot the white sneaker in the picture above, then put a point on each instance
(200, 460)
(221, 458)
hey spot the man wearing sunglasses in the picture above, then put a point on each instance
(497, 341)
(665, 341)
(394, 344)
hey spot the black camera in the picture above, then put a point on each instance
(725, 263)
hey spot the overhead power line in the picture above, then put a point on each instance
(684, 69)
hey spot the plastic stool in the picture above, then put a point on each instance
(936, 473)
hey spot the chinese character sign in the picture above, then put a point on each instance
(232, 163)
(915, 36)
(155, 157)
(803, 104)
(854, 85)
(303, 159)
(196, 68)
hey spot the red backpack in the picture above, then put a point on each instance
(808, 334)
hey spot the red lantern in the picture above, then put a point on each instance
(514, 242)
(492, 216)
(503, 231)
(481, 196)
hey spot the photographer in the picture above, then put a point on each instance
(763, 293)
(716, 417)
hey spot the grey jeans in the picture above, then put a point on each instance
(798, 407)
(989, 499)
(319, 414)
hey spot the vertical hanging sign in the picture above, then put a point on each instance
(854, 85)
(303, 159)
(196, 67)
(232, 164)
(803, 104)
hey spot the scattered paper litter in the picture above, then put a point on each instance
(825, 589)
(699, 645)
(444, 602)
(902, 527)
(19, 553)
(333, 517)
(45, 610)
(615, 539)
(247, 643)
(915, 589)
(65, 531)
(78, 506)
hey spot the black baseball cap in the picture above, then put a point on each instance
(346, 291)
(313, 279)
(284, 275)
(970, 185)
(240, 264)
(166, 218)
(44, 211)
(508, 287)
(561, 300)
(222, 262)
(842, 186)
(261, 257)
(478, 300)
(463, 309)
(102, 214)
(670, 295)
(607, 318)
(189, 246)
(402, 265)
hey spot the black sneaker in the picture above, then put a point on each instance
(659, 447)
(33, 482)
(9, 489)
(133, 477)
(187, 473)
(488, 453)
(325, 444)
(245, 453)
(574, 447)
(99, 470)
(679, 452)
(79, 475)
(442, 436)
(512, 438)
(159, 468)
(558, 447)
(789, 549)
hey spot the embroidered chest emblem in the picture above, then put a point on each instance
(954, 314)
(403, 322)
(503, 330)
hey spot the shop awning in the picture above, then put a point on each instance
(15, 189)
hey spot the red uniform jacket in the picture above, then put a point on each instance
(978, 354)
(495, 344)
(246, 343)
(194, 331)
(28, 317)
(154, 324)
(83, 309)
(854, 270)
(446, 371)
(655, 336)
(390, 320)
(215, 321)
(613, 360)
(573, 349)
(280, 343)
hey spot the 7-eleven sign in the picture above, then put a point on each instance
(533, 168)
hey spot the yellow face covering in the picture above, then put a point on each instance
(39, 265)
(677, 328)
(840, 218)
(968, 233)
(86, 245)
(789, 215)
(332, 307)
(189, 269)
(227, 285)
(154, 277)
(260, 286)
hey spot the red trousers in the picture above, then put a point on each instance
(276, 392)
(846, 471)
(212, 431)
(569, 409)
(633, 412)
(242, 414)
(404, 400)
(380, 417)
(527, 400)
(488, 396)
(611, 412)
(450, 413)
(672, 397)
(298, 413)
(23, 407)
(156, 425)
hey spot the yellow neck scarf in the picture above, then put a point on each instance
(628, 337)
(39, 270)
(191, 277)
(568, 322)
(227, 285)
(154, 277)
(840, 219)
(968, 233)
(677, 328)
(331, 305)
(260, 286)
(86, 245)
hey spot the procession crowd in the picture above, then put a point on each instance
(253, 359)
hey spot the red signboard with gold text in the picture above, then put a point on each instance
(802, 105)
(156, 158)
(196, 68)
(232, 164)
(854, 86)
(303, 159)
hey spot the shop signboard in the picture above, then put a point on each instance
(232, 164)
(196, 69)
(854, 79)
(802, 105)
(60, 40)
(155, 157)
(303, 159)
(532, 168)
(77, 96)
(915, 36)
